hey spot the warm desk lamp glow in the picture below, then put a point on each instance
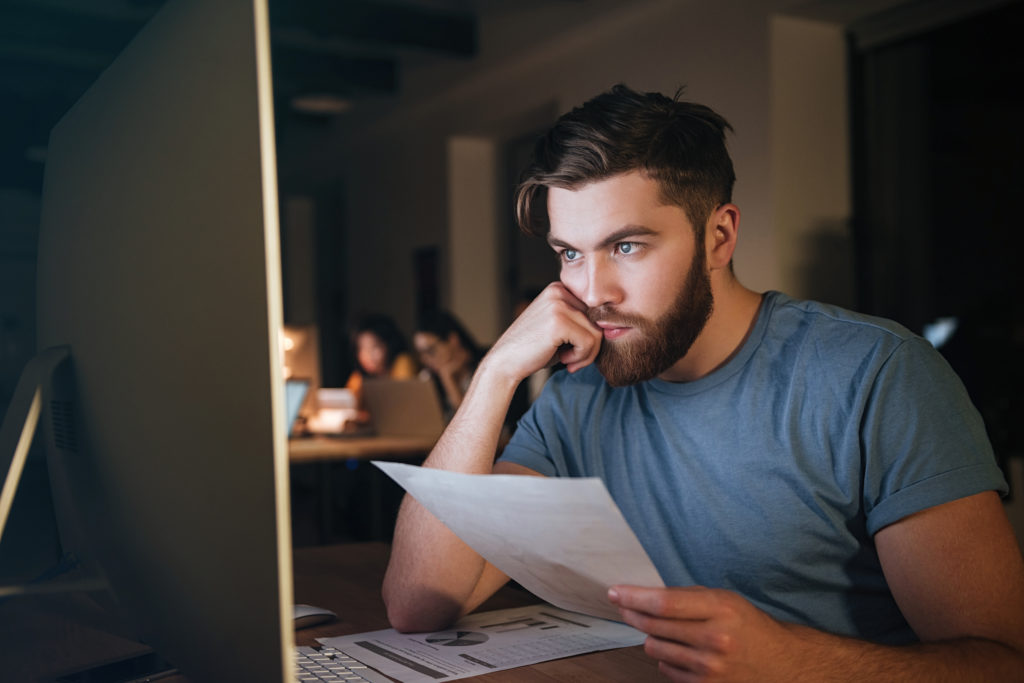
(287, 344)
(300, 355)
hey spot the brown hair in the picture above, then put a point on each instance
(679, 144)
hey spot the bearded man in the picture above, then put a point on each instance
(813, 485)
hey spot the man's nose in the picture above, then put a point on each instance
(598, 284)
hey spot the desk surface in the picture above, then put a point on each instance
(346, 579)
(325, 448)
(343, 578)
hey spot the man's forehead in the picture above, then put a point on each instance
(606, 238)
(620, 206)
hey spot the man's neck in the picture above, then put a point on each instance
(733, 317)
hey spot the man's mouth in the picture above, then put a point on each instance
(611, 330)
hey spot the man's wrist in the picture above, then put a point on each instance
(497, 375)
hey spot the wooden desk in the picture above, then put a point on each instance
(324, 448)
(347, 578)
(39, 638)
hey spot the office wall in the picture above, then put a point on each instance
(811, 166)
(474, 231)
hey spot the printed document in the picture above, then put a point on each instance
(563, 539)
(485, 642)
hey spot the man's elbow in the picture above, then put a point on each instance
(420, 614)
(410, 621)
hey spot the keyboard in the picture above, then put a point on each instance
(331, 664)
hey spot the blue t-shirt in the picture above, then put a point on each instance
(771, 475)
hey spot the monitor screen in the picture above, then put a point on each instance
(296, 390)
(159, 272)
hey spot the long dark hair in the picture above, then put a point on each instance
(386, 330)
(442, 323)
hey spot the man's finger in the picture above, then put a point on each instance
(678, 603)
(580, 353)
(696, 634)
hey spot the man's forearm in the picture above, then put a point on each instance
(719, 634)
(825, 657)
(432, 577)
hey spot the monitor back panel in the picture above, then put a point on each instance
(159, 265)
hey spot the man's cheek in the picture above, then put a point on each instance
(570, 285)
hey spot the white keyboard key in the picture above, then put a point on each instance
(329, 664)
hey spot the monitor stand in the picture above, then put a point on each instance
(44, 397)
(44, 394)
(19, 425)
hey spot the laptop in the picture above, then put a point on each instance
(295, 390)
(403, 407)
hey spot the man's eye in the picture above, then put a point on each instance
(627, 247)
(570, 254)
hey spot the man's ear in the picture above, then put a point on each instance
(721, 235)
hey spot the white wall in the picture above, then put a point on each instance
(811, 167)
(473, 233)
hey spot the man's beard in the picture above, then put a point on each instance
(658, 344)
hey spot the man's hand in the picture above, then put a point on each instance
(433, 578)
(554, 328)
(703, 634)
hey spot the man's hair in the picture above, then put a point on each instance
(679, 144)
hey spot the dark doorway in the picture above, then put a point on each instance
(939, 167)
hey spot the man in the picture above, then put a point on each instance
(812, 484)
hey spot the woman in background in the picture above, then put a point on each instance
(381, 351)
(449, 353)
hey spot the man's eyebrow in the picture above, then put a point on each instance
(620, 235)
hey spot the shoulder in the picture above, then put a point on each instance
(825, 332)
(404, 367)
(790, 312)
(571, 396)
(565, 385)
(355, 381)
(831, 354)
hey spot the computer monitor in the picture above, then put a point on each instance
(159, 278)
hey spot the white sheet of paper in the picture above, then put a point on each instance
(485, 642)
(563, 539)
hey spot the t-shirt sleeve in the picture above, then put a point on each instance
(924, 441)
(404, 367)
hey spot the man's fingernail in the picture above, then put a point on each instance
(613, 595)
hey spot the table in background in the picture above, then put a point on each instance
(327, 449)
(325, 453)
(347, 578)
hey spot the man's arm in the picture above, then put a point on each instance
(955, 570)
(433, 578)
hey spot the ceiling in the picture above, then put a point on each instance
(52, 50)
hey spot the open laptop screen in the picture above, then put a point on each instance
(295, 390)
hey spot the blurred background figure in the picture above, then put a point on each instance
(449, 354)
(380, 351)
